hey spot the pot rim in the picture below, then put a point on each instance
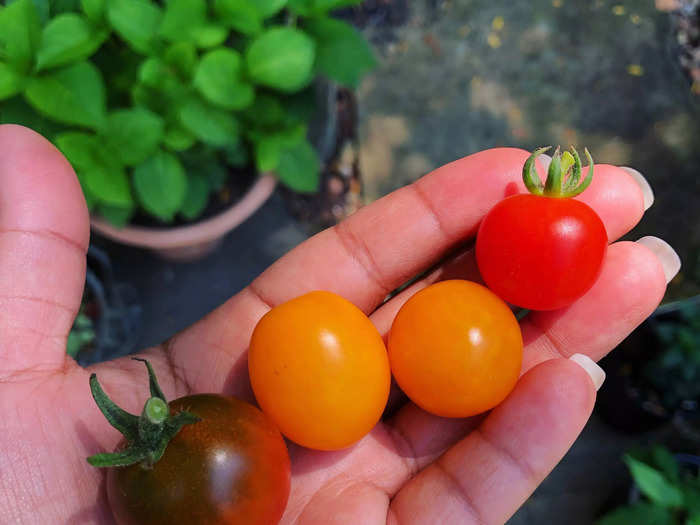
(197, 233)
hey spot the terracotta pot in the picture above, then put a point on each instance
(186, 243)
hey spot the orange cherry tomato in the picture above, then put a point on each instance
(319, 370)
(455, 349)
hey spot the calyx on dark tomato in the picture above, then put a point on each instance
(147, 435)
(203, 459)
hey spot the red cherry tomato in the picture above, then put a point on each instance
(541, 252)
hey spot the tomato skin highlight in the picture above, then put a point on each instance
(230, 468)
(319, 370)
(455, 349)
(540, 253)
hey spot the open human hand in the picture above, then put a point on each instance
(413, 467)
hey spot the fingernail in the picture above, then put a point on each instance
(545, 160)
(596, 373)
(668, 257)
(644, 185)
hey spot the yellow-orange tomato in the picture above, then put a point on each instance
(319, 370)
(455, 349)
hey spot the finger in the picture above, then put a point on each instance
(362, 259)
(376, 250)
(44, 233)
(631, 285)
(383, 245)
(485, 477)
(617, 197)
(386, 243)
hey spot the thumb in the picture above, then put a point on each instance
(44, 234)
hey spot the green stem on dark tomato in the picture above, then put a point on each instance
(147, 435)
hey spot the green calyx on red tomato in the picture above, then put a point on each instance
(147, 435)
(563, 177)
(542, 250)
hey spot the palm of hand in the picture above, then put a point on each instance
(413, 467)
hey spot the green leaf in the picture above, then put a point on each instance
(301, 106)
(269, 147)
(17, 111)
(638, 514)
(207, 162)
(267, 154)
(691, 497)
(183, 57)
(162, 78)
(208, 124)
(90, 198)
(323, 6)
(149, 98)
(20, 34)
(82, 333)
(218, 79)
(133, 133)
(653, 484)
(98, 168)
(42, 10)
(298, 168)
(266, 110)
(664, 460)
(161, 185)
(302, 7)
(197, 196)
(73, 95)
(319, 7)
(11, 82)
(153, 72)
(117, 216)
(209, 35)
(281, 58)
(94, 10)
(66, 39)
(136, 21)
(178, 139)
(64, 6)
(342, 53)
(241, 15)
(267, 8)
(180, 17)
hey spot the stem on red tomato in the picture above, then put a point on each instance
(563, 174)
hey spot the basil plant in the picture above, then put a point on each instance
(155, 103)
